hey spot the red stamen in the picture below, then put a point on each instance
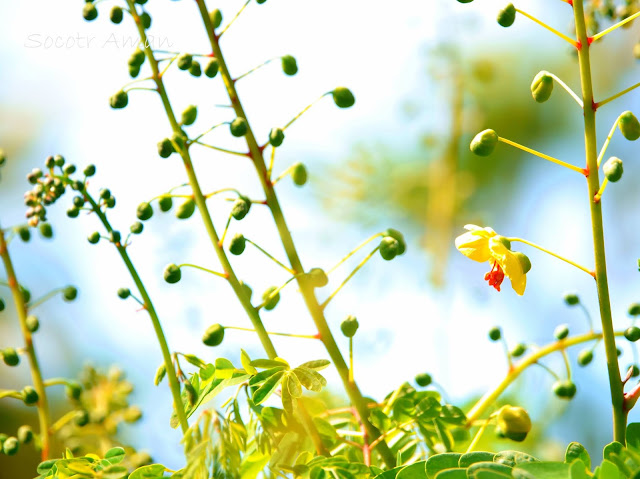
(495, 277)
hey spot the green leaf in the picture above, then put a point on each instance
(152, 471)
(633, 436)
(476, 470)
(608, 470)
(472, 457)
(224, 368)
(440, 462)
(269, 363)
(310, 379)
(267, 388)
(288, 402)
(114, 455)
(207, 372)
(317, 365)
(115, 472)
(195, 360)
(456, 473)
(575, 450)
(578, 470)
(546, 470)
(488, 474)
(294, 386)
(246, 363)
(413, 471)
(262, 376)
(513, 458)
(253, 465)
(46, 466)
(452, 415)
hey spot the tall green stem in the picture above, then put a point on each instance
(593, 181)
(44, 418)
(306, 288)
(174, 384)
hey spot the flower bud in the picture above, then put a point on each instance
(94, 237)
(389, 248)
(2, 305)
(395, 234)
(73, 390)
(518, 350)
(317, 277)
(241, 208)
(136, 228)
(172, 274)
(495, 333)
(26, 294)
(484, 143)
(289, 65)
(165, 148)
(423, 380)
(571, 299)
(247, 289)
(343, 98)
(137, 58)
(161, 372)
(214, 335)
(195, 69)
(216, 18)
(186, 209)
(73, 212)
(613, 169)
(349, 326)
(29, 395)
(165, 203)
(276, 137)
(507, 16)
(116, 14)
(134, 71)
(632, 334)
(25, 434)
(144, 211)
(81, 418)
(10, 357)
(24, 232)
(629, 126)
(561, 332)
(513, 423)
(58, 160)
(11, 445)
(542, 86)
(634, 309)
(145, 18)
(124, 293)
(525, 262)
(46, 230)
(564, 389)
(184, 61)
(105, 193)
(238, 127)
(89, 11)
(132, 414)
(32, 323)
(585, 357)
(119, 100)
(238, 244)
(70, 293)
(211, 68)
(270, 299)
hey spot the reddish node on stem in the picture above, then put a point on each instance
(594, 105)
(578, 45)
(211, 55)
(585, 172)
(317, 336)
(570, 2)
(589, 40)
(12, 283)
(596, 198)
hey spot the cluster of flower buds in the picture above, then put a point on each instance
(392, 244)
(10, 445)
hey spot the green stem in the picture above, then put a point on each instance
(306, 288)
(174, 384)
(44, 418)
(593, 181)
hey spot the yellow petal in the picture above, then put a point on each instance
(474, 246)
(484, 232)
(510, 264)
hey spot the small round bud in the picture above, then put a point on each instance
(189, 115)
(81, 418)
(561, 332)
(634, 309)
(165, 203)
(317, 277)
(247, 289)
(270, 299)
(186, 209)
(24, 232)
(495, 333)
(571, 299)
(10, 446)
(518, 350)
(389, 248)
(2, 305)
(613, 169)
(46, 230)
(26, 294)
(395, 234)
(69, 169)
(73, 390)
(70, 293)
(238, 244)
(484, 143)
(238, 127)
(179, 138)
(299, 174)
(25, 434)
(276, 137)
(513, 423)
(507, 16)
(524, 260)
(184, 61)
(161, 372)
(632, 334)
(172, 274)
(136, 228)
(349, 326)
(504, 241)
(132, 414)
(78, 201)
(144, 211)
(59, 160)
(629, 126)
(542, 86)
(29, 395)
(145, 18)
(119, 100)
(94, 237)
(32, 323)
(195, 69)
(124, 293)
(165, 148)
(564, 389)
(343, 98)
(73, 212)
(214, 335)
(241, 208)
(134, 71)
(216, 18)
(105, 193)
(618, 352)
(289, 65)
(423, 379)
(116, 14)
(585, 357)
(10, 357)
(89, 12)
(211, 68)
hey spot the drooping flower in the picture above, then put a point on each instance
(485, 245)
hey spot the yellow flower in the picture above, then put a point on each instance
(484, 244)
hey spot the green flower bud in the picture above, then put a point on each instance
(238, 244)
(585, 357)
(119, 100)
(634, 309)
(25, 233)
(542, 86)
(632, 334)
(571, 299)
(10, 357)
(504, 241)
(402, 245)
(145, 18)
(349, 326)
(32, 323)
(81, 418)
(116, 14)
(216, 18)
(70, 293)
(165, 148)
(317, 277)
(465, 1)
(69, 169)
(124, 293)
(299, 174)
(507, 16)
(186, 209)
(564, 389)
(110, 202)
(238, 127)
(195, 69)
(184, 61)
(2, 305)
(73, 212)
(241, 208)
(94, 237)
(25, 434)
(484, 143)
(271, 300)
(211, 68)
(247, 289)
(525, 262)
(276, 137)
(161, 372)
(29, 395)
(105, 193)
(46, 230)
(513, 423)
(78, 201)
(137, 58)
(144, 211)
(618, 352)
(189, 115)
(613, 169)
(172, 273)
(89, 12)
(26, 294)
(11, 445)
(629, 126)
(73, 390)
(134, 71)
(136, 228)
(132, 414)
(214, 335)
(518, 350)
(389, 248)
(289, 65)
(423, 380)
(58, 160)
(343, 98)
(561, 332)
(495, 333)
